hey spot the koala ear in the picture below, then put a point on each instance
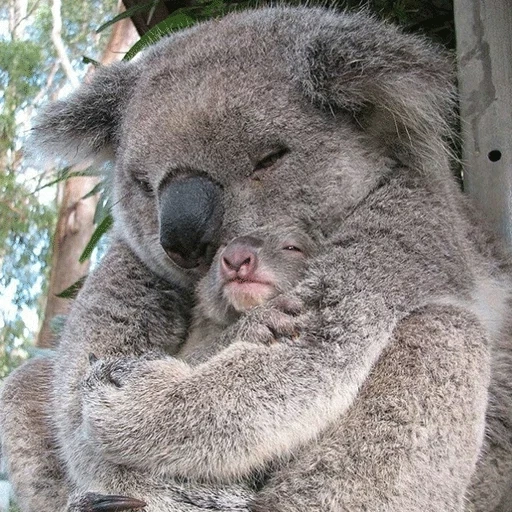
(399, 87)
(86, 123)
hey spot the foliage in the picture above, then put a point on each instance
(28, 77)
(183, 18)
(145, 7)
(20, 62)
(434, 18)
(13, 507)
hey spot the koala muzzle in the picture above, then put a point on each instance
(190, 217)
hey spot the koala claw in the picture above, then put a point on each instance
(93, 502)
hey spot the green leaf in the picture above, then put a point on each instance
(66, 173)
(103, 208)
(183, 18)
(215, 8)
(127, 14)
(88, 60)
(100, 230)
(95, 190)
(71, 291)
(176, 21)
(61, 175)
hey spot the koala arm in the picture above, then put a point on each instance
(125, 309)
(122, 310)
(253, 403)
(412, 437)
(224, 418)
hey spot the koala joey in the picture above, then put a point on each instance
(247, 272)
(390, 385)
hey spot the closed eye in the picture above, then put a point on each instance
(144, 185)
(271, 159)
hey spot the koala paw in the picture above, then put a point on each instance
(93, 502)
(281, 320)
(116, 410)
(118, 371)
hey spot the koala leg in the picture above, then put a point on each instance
(162, 495)
(491, 486)
(28, 445)
(37, 473)
(411, 441)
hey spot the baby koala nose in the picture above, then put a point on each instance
(239, 260)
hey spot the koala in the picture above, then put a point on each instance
(246, 273)
(394, 390)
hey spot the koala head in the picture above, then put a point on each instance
(282, 116)
(252, 269)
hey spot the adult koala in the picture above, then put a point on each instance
(333, 123)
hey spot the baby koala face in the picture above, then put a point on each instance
(252, 269)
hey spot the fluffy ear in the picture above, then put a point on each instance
(399, 87)
(86, 123)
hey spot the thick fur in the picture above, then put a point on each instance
(397, 394)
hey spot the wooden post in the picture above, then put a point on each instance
(484, 55)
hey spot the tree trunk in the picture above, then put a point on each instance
(75, 220)
(17, 18)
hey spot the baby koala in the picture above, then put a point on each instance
(245, 273)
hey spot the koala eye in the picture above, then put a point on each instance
(271, 159)
(292, 248)
(143, 184)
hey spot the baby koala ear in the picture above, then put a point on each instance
(399, 87)
(86, 123)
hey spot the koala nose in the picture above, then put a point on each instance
(239, 259)
(190, 218)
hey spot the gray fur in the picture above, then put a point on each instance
(397, 393)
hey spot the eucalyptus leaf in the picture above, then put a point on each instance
(71, 291)
(128, 13)
(103, 208)
(66, 174)
(88, 60)
(99, 187)
(176, 21)
(100, 230)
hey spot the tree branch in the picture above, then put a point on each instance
(59, 44)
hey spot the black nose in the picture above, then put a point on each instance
(190, 218)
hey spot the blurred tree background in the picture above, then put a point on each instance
(31, 73)
(45, 218)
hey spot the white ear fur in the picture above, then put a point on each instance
(85, 124)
